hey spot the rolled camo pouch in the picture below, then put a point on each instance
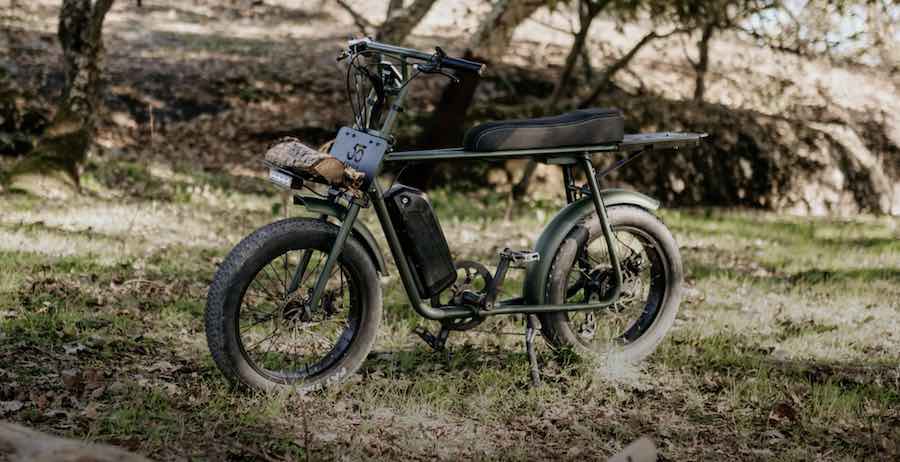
(290, 154)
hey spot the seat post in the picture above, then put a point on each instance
(568, 183)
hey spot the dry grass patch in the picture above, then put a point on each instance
(772, 357)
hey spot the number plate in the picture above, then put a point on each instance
(361, 151)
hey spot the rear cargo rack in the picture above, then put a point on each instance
(661, 140)
(642, 141)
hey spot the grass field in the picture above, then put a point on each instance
(787, 345)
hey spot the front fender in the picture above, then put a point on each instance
(360, 231)
(534, 289)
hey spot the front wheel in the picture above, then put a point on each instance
(260, 327)
(630, 329)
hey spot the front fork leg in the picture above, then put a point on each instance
(301, 267)
(336, 248)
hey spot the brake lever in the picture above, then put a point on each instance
(449, 75)
(432, 69)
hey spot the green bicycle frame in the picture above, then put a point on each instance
(565, 156)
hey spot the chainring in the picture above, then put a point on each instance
(476, 280)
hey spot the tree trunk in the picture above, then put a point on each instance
(53, 167)
(495, 31)
(393, 7)
(587, 11)
(20, 444)
(520, 189)
(489, 43)
(702, 64)
(400, 24)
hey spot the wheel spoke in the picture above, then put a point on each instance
(285, 274)
(264, 289)
(297, 345)
(271, 279)
(301, 268)
(258, 322)
(272, 335)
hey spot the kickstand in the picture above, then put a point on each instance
(436, 342)
(529, 347)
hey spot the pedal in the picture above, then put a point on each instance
(470, 298)
(520, 258)
(436, 342)
(508, 259)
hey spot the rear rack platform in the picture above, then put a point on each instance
(661, 140)
(636, 142)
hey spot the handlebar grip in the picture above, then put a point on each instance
(463, 65)
(459, 64)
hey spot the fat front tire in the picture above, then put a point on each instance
(651, 294)
(246, 298)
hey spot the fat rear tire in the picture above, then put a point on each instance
(557, 328)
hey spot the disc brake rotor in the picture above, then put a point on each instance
(599, 285)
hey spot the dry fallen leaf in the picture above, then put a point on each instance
(162, 366)
(783, 412)
(40, 400)
(117, 388)
(8, 407)
(71, 378)
(74, 348)
(93, 378)
(91, 410)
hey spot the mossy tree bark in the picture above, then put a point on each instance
(489, 43)
(587, 11)
(52, 168)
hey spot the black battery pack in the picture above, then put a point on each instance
(422, 239)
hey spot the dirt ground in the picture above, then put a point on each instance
(786, 347)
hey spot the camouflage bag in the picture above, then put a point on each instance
(296, 157)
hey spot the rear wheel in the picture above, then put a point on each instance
(261, 329)
(630, 329)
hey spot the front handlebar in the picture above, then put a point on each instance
(463, 65)
(458, 64)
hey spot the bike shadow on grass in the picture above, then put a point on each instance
(455, 358)
(500, 365)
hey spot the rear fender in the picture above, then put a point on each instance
(534, 290)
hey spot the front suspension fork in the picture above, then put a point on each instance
(336, 248)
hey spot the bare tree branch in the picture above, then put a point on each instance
(621, 63)
(361, 23)
(587, 11)
(400, 24)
